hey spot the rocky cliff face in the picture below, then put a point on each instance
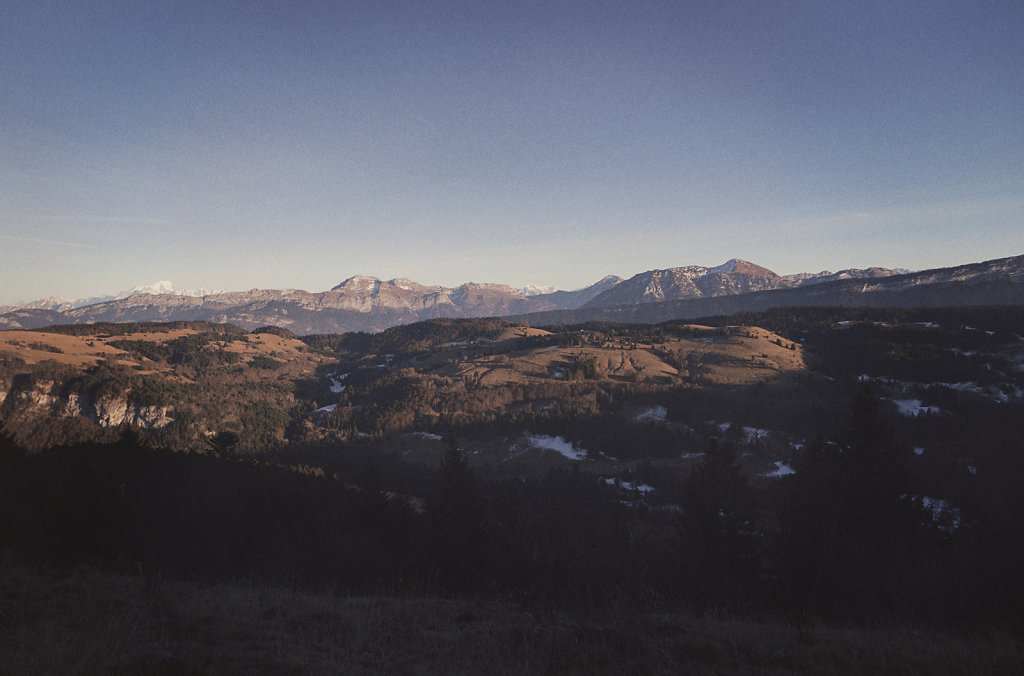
(694, 281)
(109, 411)
(732, 278)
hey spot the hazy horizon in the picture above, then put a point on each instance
(234, 146)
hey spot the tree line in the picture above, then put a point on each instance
(847, 535)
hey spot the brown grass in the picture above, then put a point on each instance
(87, 622)
(738, 359)
(86, 351)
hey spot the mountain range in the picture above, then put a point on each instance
(363, 303)
(54, 304)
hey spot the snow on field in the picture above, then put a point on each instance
(629, 485)
(750, 434)
(1004, 393)
(653, 414)
(947, 518)
(913, 407)
(989, 391)
(336, 380)
(691, 456)
(781, 469)
(428, 435)
(556, 444)
(865, 378)
(324, 410)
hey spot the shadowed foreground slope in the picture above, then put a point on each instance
(86, 622)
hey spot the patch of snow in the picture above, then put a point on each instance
(973, 469)
(653, 414)
(928, 325)
(913, 407)
(947, 518)
(629, 485)
(536, 289)
(691, 456)
(750, 434)
(781, 469)
(726, 268)
(336, 380)
(918, 450)
(428, 435)
(557, 444)
(324, 410)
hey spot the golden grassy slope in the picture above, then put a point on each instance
(86, 351)
(741, 356)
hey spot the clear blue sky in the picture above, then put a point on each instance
(293, 144)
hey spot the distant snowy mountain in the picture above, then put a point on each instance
(363, 303)
(580, 297)
(536, 289)
(163, 287)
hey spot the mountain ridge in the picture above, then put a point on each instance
(365, 303)
(995, 282)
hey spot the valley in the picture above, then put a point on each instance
(708, 466)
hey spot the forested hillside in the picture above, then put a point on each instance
(800, 463)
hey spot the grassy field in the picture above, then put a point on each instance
(89, 622)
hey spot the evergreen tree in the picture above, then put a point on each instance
(457, 524)
(717, 555)
(850, 522)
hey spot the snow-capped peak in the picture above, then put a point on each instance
(164, 288)
(536, 289)
(727, 268)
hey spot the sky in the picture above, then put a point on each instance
(260, 144)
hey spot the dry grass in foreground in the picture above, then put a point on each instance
(87, 622)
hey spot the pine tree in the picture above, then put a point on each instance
(850, 520)
(718, 557)
(457, 524)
